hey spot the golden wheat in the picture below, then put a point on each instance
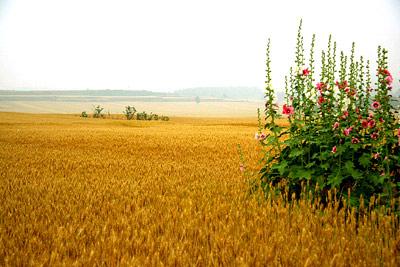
(77, 191)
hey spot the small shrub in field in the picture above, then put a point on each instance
(141, 115)
(84, 114)
(129, 112)
(98, 112)
(164, 118)
(343, 131)
(144, 116)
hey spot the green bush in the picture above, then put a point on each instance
(98, 112)
(129, 112)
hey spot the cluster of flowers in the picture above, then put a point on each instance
(369, 124)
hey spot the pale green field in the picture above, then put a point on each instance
(190, 109)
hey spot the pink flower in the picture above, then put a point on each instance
(346, 113)
(288, 110)
(347, 89)
(334, 149)
(364, 124)
(371, 124)
(320, 86)
(335, 125)
(355, 140)
(376, 155)
(342, 85)
(241, 167)
(260, 137)
(347, 131)
(376, 105)
(398, 132)
(389, 80)
(381, 120)
(370, 116)
(306, 72)
(374, 136)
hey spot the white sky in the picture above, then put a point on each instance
(166, 45)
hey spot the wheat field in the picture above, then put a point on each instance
(82, 192)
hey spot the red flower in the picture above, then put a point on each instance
(306, 72)
(381, 120)
(389, 80)
(335, 125)
(355, 140)
(320, 86)
(371, 124)
(347, 131)
(288, 110)
(376, 105)
(342, 85)
(334, 149)
(321, 100)
(398, 132)
(346, 113)
(374, 136)
(376, 155)
(364, 124)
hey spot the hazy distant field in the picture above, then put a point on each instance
(85, 192)
(203, 109)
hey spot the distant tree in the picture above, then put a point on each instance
(84, 114)
(97, 112)
(129, 112)
(197, 99)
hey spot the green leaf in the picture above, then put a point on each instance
(335, 179)
(349, 167)
(365, 160)
(280, 167)
(298, 173)
(309, 165)
(325, 166)
(295, 153)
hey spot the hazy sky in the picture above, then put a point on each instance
(166, 45)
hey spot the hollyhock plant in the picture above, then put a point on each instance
(337, 138)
